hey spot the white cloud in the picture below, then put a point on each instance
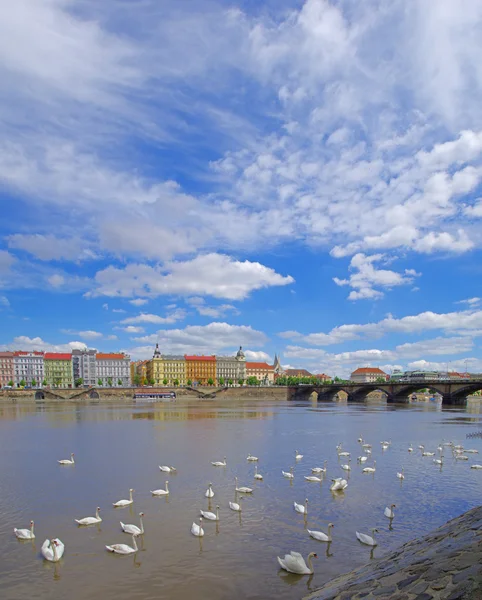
(133, 329)
(175, 315)
(472, 302)
(23, 342)
(4, 301)
(56, 280)
(105, 306)
(118, 310)
(211, 311)
(215, 275)
(50, 247)
(86, 334)
(258, 356)
(444, 242)
(139, 301)
(6, 261)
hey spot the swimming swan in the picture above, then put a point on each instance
(295, 563)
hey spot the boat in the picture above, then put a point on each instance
(154, 396)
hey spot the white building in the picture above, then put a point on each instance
(231, 367)
(368, 375)
(28, 368)
(84, 366)
(113, 369)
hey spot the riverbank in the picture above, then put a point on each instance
(443, 565)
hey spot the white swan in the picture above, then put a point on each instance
(386, 443)
(428, 453)
(320, 469)
(385, 446)
(367, 539)
(167, 469)
(320, 536)
(458, 447)
(421, 446)
(301, 508)
(410, 448)
(313, 478)
(471, 451)
(461, 457)
(160, 491)
(196, 529)
(367, 451)
(476, 466)
(66, 461)
(343, 453)
(251, 458)
(53, 550)
(439, 461)
(133, 529)
(210, 515)
(360, 440)
(236, 505)
(218, 463)
(121, 503)
(90, 520)
(25, 534)
(389, 511)
(298, 456)
(362, 459)
(256, 474)
(295, 563)
(243, 489)
(123, 548)
(338, 484)
(209, 492)
(401, 475)
(370, 469)
(346, 467)
(366, 446)
(289, 475)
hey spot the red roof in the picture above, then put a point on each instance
(368, 370)
(101, 356)
(259, 365)
(57, 356)
(23, 353)
(322, 376)
(298, 373)
(200, 358)
(6, 354)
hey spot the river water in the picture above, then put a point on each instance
(118, 447)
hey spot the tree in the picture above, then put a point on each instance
(210, 381)
(144, 380)
(176, 381)
(241, 381)
(230, 382)
(151, 381)
(78, 382)
(57, 381)
(44, 383)
(10, 383)
(137, 379)
(221, 381)
(164, 381)
(99, 382)
(109, 381)
(34, 382)
(22, 383)
(252, 380)
(189, 382)
(380, 380)
(119, 382)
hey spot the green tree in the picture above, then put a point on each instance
(176, 382)
(240, 381)
(10, 383)
(44, 382)
(99, 382)
(380, 380)
(109, 381)
(164, 381)
(57, 381)
(34, 382)
(119, 382)
(221, 381)
(137, 379)
(189, 382)
(151, 381)
(210, 381)
(230, 382)
(23, 383)
(252, 380)
(78, 382)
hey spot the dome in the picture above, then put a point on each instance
(240, 353)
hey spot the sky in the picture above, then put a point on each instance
(296, 177)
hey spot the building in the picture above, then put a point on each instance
(322, 377)
(200, 369)
(368, 375)
(58, 369)
(263, 372)
(113, 369)
(139, 372)
(278, 369)
(7, 373)
(174, 369)
(155, 368)
(28, 368)
(297, 373)
(84, 366)
(231, 368)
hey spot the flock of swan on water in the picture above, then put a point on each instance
(53, 549)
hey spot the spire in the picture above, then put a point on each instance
(157, 352)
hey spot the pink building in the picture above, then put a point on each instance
(6, 368)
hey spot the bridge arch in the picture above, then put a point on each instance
(39, 395)
(462, 393)
(361, 394)
(94, 395)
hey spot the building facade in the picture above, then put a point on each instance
(28, 368)
(231, 368)
(58, 369)
(297, 373)
(7, 373)
(263, 372)
(113, 369)
(139, 372)
(174, 369)
(200, 369)
(84, 366)
(322, 377)
(368, 375)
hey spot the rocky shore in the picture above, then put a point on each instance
(443, 565)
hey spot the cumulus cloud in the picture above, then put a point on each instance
(4, 301)
(23, 342)
(258, 356)
(215, 312)
(86, 335)
(6, 261)
(139, 301)
(50, 248)
(177, 314)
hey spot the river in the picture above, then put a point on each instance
(119, 446)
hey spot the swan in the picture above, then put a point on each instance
(161, 492)
(25, 534)
(295, 563)
(289, 475)
(389, 511)
(196, 529)
(338, 447)
(343, 454)
(243, 489)
(210, 515)
(366, 446)
(410, 448)
(386, 443)
(339, 485)
(362, 459)
(66, 461)
(90, 520)
(124, 502)
(320, 469)
(439, 461)
(298, 456)
(461, 457)
(421, 446)
(385, 446)
(360, 440)
(301, 508)
(209, 492)
(458, 447)
(167, 469)
(471, 452)
(367, 451)
(440, 448)
(346, 467)
(256, 474)
(133, 529)
(313, 478)
(370, 469)
(401, 475)
(428, 453)
(123, 548)
(53, 550)
(219, 463)
(476, 466)
(320, 536)
(252, 458)
(236, 505)
(367, 539)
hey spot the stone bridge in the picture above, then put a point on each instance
(452, 392)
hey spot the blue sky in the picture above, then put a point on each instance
(300, 177)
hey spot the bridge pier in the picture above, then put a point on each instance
(391, 399)
(449, 399)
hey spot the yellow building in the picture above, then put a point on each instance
(174, 369)
(139, 369)
(58, 369)
(200, 370)
(263, 372)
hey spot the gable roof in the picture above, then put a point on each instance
(259, 365)
(367, 370)
(111, 356)
(57, 356)
(298, 373)
(200, 358)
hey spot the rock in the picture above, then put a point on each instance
(441, 584)
(402, 584)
